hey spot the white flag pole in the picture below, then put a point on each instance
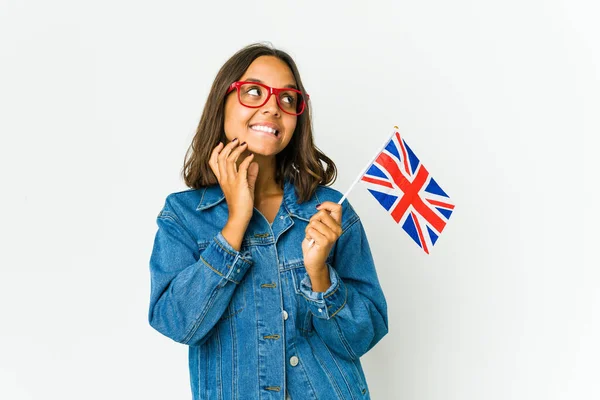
(312, 241)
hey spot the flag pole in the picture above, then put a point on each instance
(312, 241)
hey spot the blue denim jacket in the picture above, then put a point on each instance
(254, 327)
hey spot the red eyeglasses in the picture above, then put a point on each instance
(255, 95)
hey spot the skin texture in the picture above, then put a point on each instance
(237, 165)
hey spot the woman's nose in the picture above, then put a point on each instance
(271, 105)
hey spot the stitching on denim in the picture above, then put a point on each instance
(207, 206)
(220, 274)
(221, 246)
(359, 379)
(340, 371)
(232, 314)
(351, 223)
(200, 318)
(207, 367)
(268, 285)
(201, 199)
(309, 299)
(242, 290)
(287, 209)
(307, 322)
(210, 266)
(316, 354)
(342, 306)
(219, 362)
(333, 291)
(273, 388)
(257, 333)
(292, 214)
(199, 371)
(313, 301)
(345, 343)
(232, 331)
(305, 374)
(164, 214)
(237, 256)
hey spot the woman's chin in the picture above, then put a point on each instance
(264, 151)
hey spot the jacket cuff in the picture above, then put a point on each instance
(225, 261)
(325, 305)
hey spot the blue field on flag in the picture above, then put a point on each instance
(402, 185)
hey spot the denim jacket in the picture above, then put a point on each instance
(254, 326)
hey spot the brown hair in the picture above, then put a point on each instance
(299, 162)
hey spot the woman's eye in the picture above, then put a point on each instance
(288, 99)
(253, 91)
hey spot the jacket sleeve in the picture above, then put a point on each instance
(351, 315)
(190, 290)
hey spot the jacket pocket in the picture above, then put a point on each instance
(298, 274)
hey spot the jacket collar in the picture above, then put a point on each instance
(213, 195)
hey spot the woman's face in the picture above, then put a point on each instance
(250, 124)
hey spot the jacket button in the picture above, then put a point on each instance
(294, 361)
(285, 315)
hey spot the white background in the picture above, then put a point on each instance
(499, 99)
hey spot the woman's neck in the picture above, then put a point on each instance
(265, 185)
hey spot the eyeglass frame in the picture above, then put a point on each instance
(272, 90)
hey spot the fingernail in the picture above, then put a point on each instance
(243, 143)
(318, 205)
(234, 140)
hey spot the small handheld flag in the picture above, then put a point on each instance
(402, 185)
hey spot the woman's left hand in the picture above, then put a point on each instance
(325, 228)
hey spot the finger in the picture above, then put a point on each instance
(252, 175)
(222, 158)
(334, 209)
(309, 242)
(323, 230)
(223, 154)
(232, 167)
(235, 153)
(328, 220)
(243, 169)
(317, 236)
(212, 161)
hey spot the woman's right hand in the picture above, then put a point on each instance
(237, 183)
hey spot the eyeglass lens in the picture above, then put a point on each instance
(253, 95)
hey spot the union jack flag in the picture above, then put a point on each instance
(405, 189)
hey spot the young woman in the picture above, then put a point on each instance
(266, 313)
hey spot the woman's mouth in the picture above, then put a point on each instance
(265, 129)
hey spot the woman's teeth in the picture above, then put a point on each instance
(265, 129)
